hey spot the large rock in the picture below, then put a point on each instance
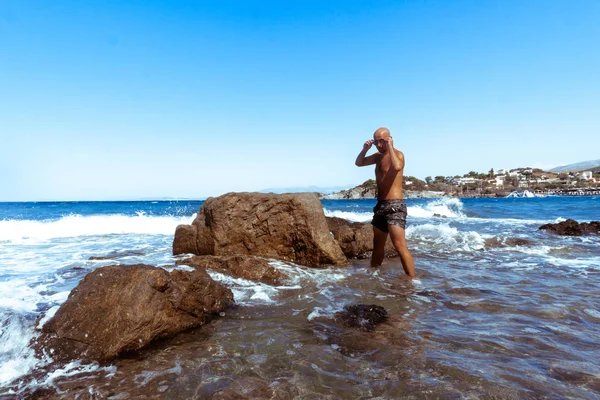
(289, 227)
(356, 239)
(571, 227)
(251, 268)
(116, 309)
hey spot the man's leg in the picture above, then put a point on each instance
(399, 242)
(379, 238)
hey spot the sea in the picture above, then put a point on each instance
(488, 316)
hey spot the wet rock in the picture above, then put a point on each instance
(355, 238)
(507, 242)
(362, 316)
(117, 309)
(186, 237)
(290, 227)
(247, 267)
(571, 227)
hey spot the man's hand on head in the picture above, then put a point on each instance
(368, 144)
(389, 142)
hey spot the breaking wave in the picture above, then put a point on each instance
(78, 225)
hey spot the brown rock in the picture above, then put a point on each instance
(186, 237)
(247, 267)
(289, 227)
(116, 309)
(355, 238)
(507, 242)
(571, 227)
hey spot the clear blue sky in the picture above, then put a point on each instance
(137, 99)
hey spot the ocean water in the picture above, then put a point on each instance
(483, 319)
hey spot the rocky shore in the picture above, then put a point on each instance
(368, 190)
(120, 309)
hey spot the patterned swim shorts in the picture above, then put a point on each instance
(389, 212)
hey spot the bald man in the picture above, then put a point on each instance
(390, 211)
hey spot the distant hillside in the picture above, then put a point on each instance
(580, 166)
(317, 189)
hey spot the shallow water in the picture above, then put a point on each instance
(483, 320)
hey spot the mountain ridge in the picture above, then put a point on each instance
(577, 167)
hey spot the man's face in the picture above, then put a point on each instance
(379, 141)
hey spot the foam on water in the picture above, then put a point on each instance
(444, 207)
(70, 369)
(443, 237)
(350, 215)
(247, 292)
(16, 357)
(17, 231)
(447, 207)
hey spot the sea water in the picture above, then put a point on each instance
(482, 319)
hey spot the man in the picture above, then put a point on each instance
(390, 211)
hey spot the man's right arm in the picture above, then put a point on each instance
(361, 160)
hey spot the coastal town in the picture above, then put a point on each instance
(517, 182)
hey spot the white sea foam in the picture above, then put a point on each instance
(592, 313)
(77, 225)
(445, 207)
(16, 357)
(18, 296)
(325, 312)
(442, 237)
(450, 207)
(350, 215)
(49, 314)
(70, 369)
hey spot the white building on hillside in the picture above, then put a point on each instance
(468, 179)
(586, 175)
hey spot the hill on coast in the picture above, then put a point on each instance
(593, 165)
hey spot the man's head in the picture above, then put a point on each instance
(379, 139)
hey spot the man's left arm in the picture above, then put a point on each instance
(396, 156)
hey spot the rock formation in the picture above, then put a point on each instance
(366, 190)
(571, 227)
(356, 239)
(290, 227)
(251, 268)
(116, 309)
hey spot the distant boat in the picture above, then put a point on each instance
(523, 194)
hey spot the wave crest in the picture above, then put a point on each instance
(77, 225)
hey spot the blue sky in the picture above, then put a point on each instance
(139, 99)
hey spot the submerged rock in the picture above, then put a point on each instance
(356, 239)
(362, 316)
(507, 242)
(571, 227)
(290, 227)
(116, 309)
(247, 267)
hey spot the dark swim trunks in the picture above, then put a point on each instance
(389, 212)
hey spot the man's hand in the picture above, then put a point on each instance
(389, 143)
(367, 145)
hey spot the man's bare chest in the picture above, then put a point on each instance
(383, 166)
